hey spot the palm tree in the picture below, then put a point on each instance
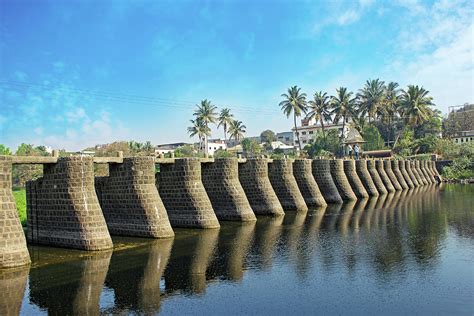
(343, 106)
(371, 97)
(206, 113)
(391, 103)
(295, 102)
(236, 130)
(200, 129)
(148, 146)
(319, 109)
(415, 105)
(225, 118)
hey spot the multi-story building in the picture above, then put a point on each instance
(286, 138)
(309, 128)
(463, 137)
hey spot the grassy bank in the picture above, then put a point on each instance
(20, 199)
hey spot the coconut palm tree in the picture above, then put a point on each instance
(206, 113)
(391, 102)
(319, 109)
(415, 105)
(370, 98)
(294, 102)
(343, 106)
(236, 130)
(200, 129)
(225, 118)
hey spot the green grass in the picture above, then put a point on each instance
(20, 199)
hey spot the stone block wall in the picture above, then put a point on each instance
(374, 174)
(13, 251)
(280, 173)
(354, 180)
(253, 176)
(398, 174)
(429, 172)
(323, 177)
(365, 178)
(130, 201)
(221, 181)
(183, 194)
(434, 169)
(12, 285)
(427, 175)
(404, 172)
(379, 165)
(387, 165)
(63, 209)
(417, 170)
(411, 173)
(340, 180)
(302, 170)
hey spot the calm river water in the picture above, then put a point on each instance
(407, 253)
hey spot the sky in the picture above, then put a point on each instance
(78, 73)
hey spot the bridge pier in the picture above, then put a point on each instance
(354, 180)
(130, 200)
(404, 172)
(398, 174)
(253, 176)
(221, 181)
(425, 171)
(307, 185)
(340, 180)
(411, 173)
(374, 174)
(432, 166)
(322, 175)
(419, 172)
(63, 209)
(365, 178)
(383, 175)
(183, 194)
(387, 165)
(280, 173)
(13, 251)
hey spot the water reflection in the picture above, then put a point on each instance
(369, 245)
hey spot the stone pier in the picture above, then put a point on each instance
(340, 180)
(404, 172)
(183, 194)
(426, 173)
(12, 285)
(374, 174)
(221, 181)
(411, 173)
(383, 175)
(354, 180)
(130, 200)
(419, 172)
(280, 173)
(428, 170)
(398, 174)
(302, 171)
(365, 178)
(253, 176)
(322, 175)
(13, 251)
(387, 165)
(63, 209)
(432, 166)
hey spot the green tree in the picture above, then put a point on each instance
(319, 108)
(250, 147)
(206, 114)
(370, 98)
(415, 105)
(374, 140)
(200, 129)
(343, 107)
(185, 151)
(294, 102)
(267, 136)
(237, 130)
(324, 145)
(4, 150)
(225, 118)
(390, 105)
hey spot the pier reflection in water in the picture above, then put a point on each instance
(405, 252)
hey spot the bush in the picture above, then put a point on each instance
(324, 145)
(185, 151)
(223, 154)
(462, 168)
(373, 138)
(20, 200)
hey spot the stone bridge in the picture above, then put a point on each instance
(70, 207)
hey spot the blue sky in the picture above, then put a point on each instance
(78, 73)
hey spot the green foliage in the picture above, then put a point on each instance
(4, 150)
(20, 200)
(223, 154)
(405, 142)
(250, 147)
(462, 168)
(425, 144)
(23, 173)
(185, 151)
(267, 136)
(373, 138)
(324, 145)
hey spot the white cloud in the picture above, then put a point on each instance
(348, 17)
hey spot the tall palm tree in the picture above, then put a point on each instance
(295, 102)
(236, 130)
(415, 105)
(225, 118)
(391, 102)
(200, 129)
(343, 106)
(319, 109)
(370, 97)
(206, 113)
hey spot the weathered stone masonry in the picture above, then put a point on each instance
(184, 196)
(13, 251)
(387, 165)
(398, 174)
(413, 177)
(221, 181)
(322, 175)
(404, 172)
(130, 200)
(308, 187)
(416, 169)
(63, 209)
(340, 180)
(374, 174)
(383, 175)
(253, 175)
(365, 178)
(284, 184)
(354, 180)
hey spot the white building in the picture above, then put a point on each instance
(464, 137)
(286, 138)
(309, 128)
(214, 145)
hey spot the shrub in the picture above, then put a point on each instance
(462, 168)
